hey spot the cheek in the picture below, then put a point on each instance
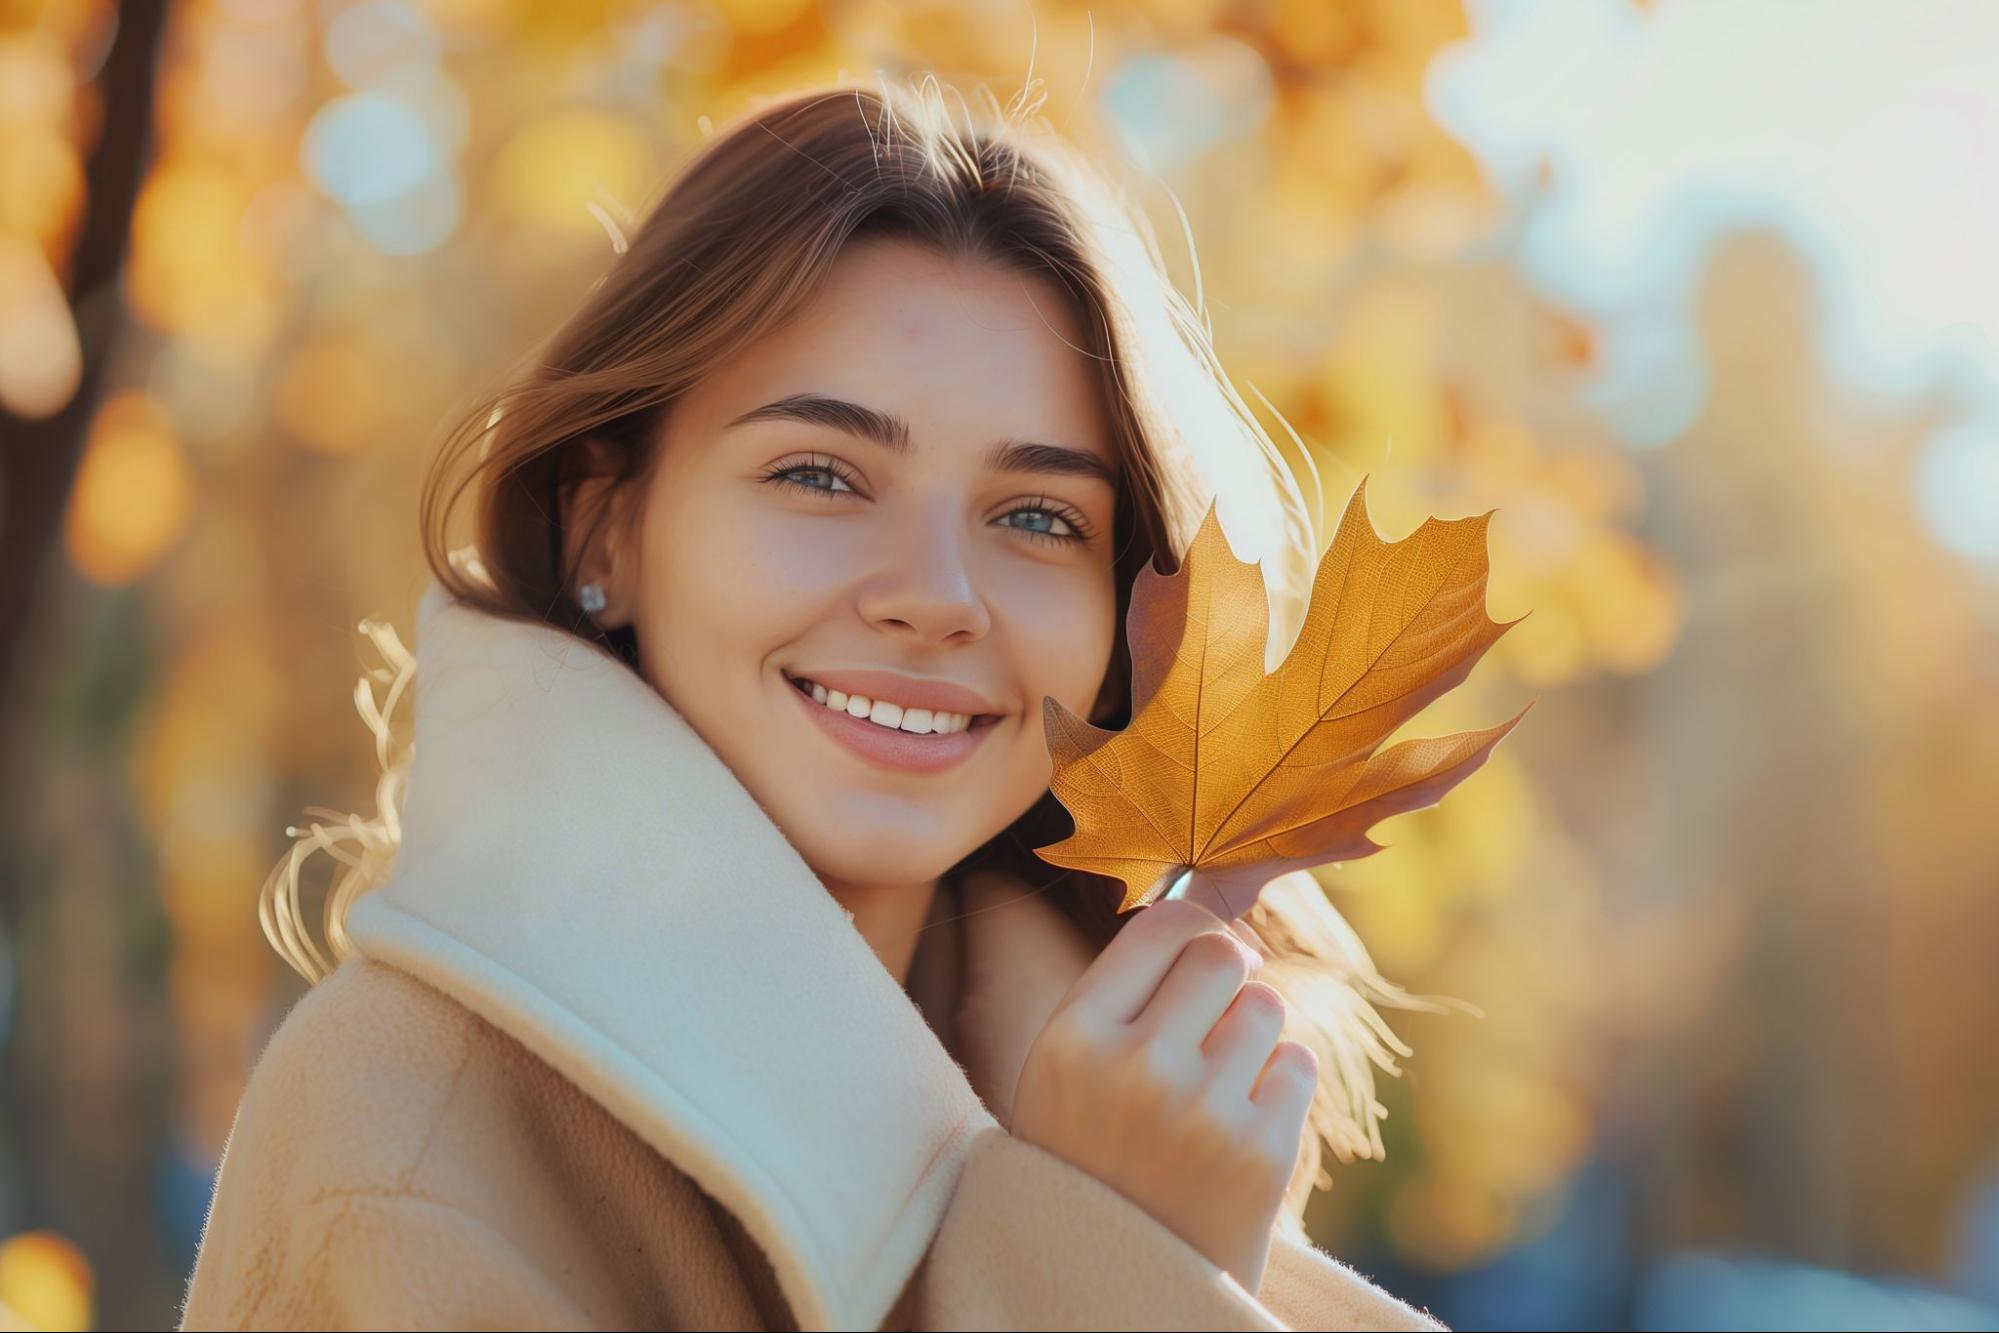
(1063, 631)
(725, 587)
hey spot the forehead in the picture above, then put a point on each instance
(966, 351)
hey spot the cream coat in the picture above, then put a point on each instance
(609, 1056)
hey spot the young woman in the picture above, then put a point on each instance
(714, 982)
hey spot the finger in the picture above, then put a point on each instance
(1285, 1087)
(1247, 934)
(1129, 969)
(1197, 990)
(1241, 1043)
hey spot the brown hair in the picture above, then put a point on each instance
(737, 243)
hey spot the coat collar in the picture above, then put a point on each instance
(582, 870)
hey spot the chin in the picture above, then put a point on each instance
(853, 861)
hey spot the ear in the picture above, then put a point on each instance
(599, 534)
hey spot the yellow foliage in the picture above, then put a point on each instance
(45, 1283)
(553, 168)
(133, 495)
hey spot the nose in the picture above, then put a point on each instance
(927, 586)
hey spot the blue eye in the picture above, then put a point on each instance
(832, 479)
(1073, 535)
(783, 477)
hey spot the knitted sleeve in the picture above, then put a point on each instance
(1032, 1242)
(375, 1260)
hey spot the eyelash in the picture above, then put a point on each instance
(780, 475)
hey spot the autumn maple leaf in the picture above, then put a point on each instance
(1239, 776)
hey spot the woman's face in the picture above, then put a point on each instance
(948, 531)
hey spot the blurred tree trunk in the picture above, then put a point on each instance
(38, 458)
(104, 1202)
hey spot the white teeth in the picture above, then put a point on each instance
(916, 721)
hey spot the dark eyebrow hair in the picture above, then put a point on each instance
(891, 432)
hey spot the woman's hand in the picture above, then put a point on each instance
(1161, 1073)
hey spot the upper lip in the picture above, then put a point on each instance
(909, 691)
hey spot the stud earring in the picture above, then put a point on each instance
(592, 598)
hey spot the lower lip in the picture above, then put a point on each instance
(898, 751)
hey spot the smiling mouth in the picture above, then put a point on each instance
(890, 716)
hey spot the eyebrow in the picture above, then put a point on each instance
(892, 433)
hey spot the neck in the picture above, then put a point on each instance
(890, 918)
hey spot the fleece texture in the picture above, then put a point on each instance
(605, 1054)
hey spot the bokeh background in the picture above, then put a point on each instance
(1702, 298)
